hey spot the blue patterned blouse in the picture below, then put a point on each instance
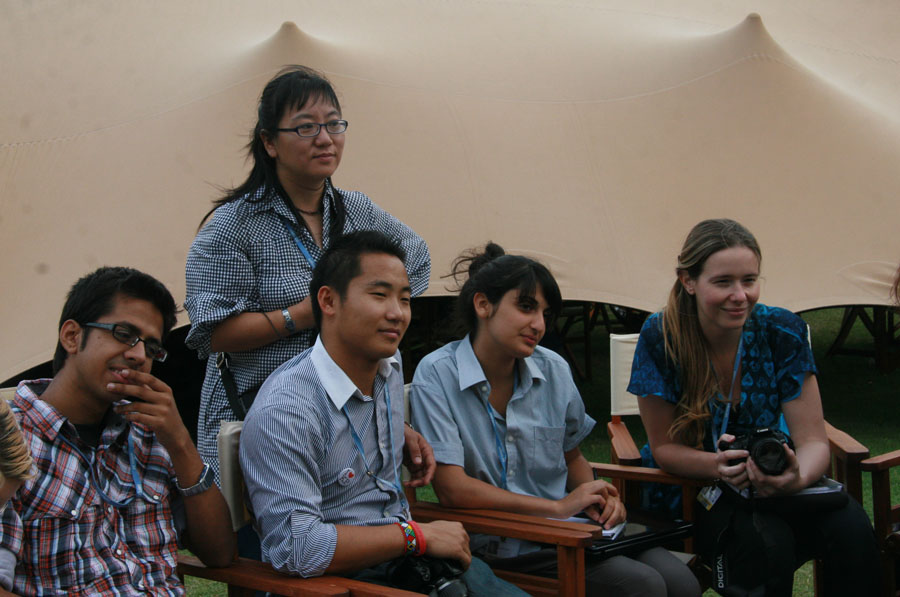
(775, 359)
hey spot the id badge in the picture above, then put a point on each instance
(709, 495)
(508, 547)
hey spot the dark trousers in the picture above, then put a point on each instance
(759, 551)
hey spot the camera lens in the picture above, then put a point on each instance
(769, 456)
(451, 588)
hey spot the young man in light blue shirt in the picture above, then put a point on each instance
(322, 444)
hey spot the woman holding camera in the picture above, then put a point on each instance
(715, 365)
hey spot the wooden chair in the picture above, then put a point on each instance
(847, 454)
(887, 518)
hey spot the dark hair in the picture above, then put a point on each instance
(291, 88)
(340, 263)
(494, 273)
(94, 295)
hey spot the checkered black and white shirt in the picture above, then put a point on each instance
(245, 260)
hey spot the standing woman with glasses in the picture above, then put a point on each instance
(249, 268)
(715, 364)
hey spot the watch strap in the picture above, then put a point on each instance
(288, 322)
(207, 478)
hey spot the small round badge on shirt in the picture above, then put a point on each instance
(346, 477)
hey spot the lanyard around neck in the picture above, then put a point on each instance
(502, 454)
(306, 254)
(357, 442)
(95, 482)
(737, 364)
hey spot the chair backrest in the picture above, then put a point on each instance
(7, 393)
(231, 480)
(621, 354)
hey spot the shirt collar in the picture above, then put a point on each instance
(471, 373)
(45, 418)
(337, 384)
(265, 198)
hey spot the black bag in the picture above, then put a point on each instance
(240, 403)
(741, 539)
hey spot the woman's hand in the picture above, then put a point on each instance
(598, 499)
(786, 483)
(733, 474)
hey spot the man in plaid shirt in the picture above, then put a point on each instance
(118, 480)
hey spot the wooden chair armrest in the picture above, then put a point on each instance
(622, 446)
(259, 576)
(506, 524)
(844, 445)
(882, 462)
(641, 473)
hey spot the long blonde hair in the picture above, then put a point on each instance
(685, 343)
(15, 459)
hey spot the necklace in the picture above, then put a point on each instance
(315, 212)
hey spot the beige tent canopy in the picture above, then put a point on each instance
(589, 134)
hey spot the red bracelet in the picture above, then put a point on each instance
(409, 534)
(420, 538)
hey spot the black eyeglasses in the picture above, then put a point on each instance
(312, 129)
(127, 335)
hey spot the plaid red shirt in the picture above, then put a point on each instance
(64, 534)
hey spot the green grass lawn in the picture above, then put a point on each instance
(856, 397)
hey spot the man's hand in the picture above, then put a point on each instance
(418, 458)
(152, 405)
(448, 540)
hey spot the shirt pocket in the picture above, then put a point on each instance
(547, 446)
(282, 273)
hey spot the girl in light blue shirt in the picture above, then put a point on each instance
(505, 420)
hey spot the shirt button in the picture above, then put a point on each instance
(155, 498)
(74, 512)
(118, 552)
(484, 387)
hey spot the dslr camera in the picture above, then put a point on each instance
(432, 576)
(764, 445)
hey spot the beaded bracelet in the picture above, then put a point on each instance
(420, 538)
(409, 533)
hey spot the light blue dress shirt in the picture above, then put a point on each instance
(304, 474)
(544, 418)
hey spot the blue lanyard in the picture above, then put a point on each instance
(287, 225)
(95, 482)
(395, 484)
(737, 364)
(502, 454)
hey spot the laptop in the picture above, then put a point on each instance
(641, 532)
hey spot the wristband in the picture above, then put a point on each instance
(420, 538)
(288, 322)
(409, 534)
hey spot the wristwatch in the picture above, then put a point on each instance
(288, 322)
(207, 478)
